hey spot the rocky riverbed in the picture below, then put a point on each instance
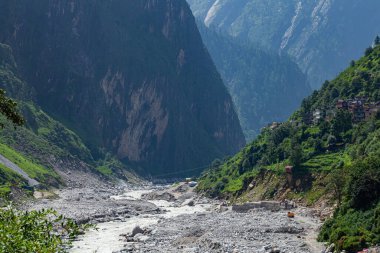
(174, 219)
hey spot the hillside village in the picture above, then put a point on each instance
(360, 108)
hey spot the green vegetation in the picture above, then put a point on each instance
(8, 107)
(38, 172)
(105, 170)
(356, 223)
(334, 158)
(36, 231)
(54, 132)
(8, 178)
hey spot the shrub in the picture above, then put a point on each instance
(36, 231)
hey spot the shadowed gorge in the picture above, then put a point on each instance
(130, 77)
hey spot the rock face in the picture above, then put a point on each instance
(322, 35)
(130, 77)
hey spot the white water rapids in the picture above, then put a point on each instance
(106, 238)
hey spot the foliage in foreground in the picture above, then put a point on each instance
(36, 231)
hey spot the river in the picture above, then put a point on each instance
(189, 223)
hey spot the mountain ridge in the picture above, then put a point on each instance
(322, 36)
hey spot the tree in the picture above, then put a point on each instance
(377, 40)
(334, 93)
(337, 181)
(368, 51)
(296, 155)
(8, 107)
(341, 123)
(364, 182)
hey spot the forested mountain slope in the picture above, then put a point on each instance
(321, 35)
(328, 151)
(265, 87)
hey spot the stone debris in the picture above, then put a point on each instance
(268, 205)
(261, 231)
(159, 196)
(258, 227)
(137, 230)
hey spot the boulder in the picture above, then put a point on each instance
(137, 230)
(189, 202)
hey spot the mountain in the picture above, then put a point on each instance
(327, 153)
(264, 86)
(321, 35)
(128, 77)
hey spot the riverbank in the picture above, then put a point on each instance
(175, 219)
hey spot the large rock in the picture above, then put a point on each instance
(137, 230)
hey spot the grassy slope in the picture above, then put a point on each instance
(42, 174)
(325, 157)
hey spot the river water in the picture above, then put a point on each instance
(107, 237)
(202, 226)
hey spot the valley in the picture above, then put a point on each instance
(189, 126)
(176, 219)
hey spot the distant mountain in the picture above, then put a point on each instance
(265, 87)
(322, 36)
(128, 77)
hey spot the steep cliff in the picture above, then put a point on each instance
(130, 77)
(321, 35)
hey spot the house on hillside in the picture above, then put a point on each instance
(330, 114)
(371, 109)
(318, 116)
(341, 104)
(356, 108)
(274, 125)
(359, 107)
